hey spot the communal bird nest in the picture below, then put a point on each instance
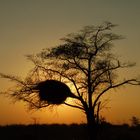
(53, 91)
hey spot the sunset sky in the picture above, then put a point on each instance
(28, 26)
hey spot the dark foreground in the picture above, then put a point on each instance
(67, 132)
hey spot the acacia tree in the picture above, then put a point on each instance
(83, 61)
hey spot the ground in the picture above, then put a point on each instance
(67, 132)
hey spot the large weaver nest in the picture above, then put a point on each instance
(53, 91)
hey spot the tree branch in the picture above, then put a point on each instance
(75, 106)
(130, 81)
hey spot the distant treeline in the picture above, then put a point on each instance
(67, 132)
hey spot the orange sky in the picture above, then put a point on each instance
(28, 26)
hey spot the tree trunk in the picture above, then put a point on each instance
(92, 125)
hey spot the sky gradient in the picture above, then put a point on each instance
(28, 26)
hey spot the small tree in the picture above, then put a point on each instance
(85, 63)
(135, 121)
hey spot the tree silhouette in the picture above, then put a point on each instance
(135, 121)
(84, 62)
